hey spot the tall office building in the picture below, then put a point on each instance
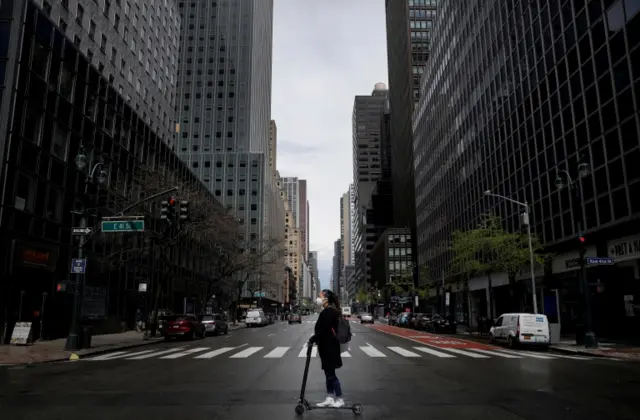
(335, 267)
(540, 89)
(366, 131)
(224, 107)
(345, 228)
(273, 145)
(296, 191)
(409, 33)
(133, 45)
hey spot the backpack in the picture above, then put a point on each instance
(343, 334)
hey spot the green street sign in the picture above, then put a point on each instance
(114, 226)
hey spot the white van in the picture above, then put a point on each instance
(521, 328)
(346, 311)
(255, 318)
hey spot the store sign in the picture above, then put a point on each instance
(625, 248)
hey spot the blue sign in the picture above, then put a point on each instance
(600, 261)
(78, 265)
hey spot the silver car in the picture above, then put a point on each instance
(214, 324)
(366, 318)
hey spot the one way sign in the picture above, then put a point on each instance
(81, 230)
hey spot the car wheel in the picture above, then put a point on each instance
(226, 330)
(511, 342)
(192, 335)
(491, 338)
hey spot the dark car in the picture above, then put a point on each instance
(421, 321)
(295, 318)
(183, 326)
(444, 324)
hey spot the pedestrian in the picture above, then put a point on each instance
(329, 346)
(139, 320)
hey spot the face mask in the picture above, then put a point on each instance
(320, 301)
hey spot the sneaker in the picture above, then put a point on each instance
(338, 403)
(327, 402)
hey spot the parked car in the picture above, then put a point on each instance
(295, 318)
(393, 319)
(521, 329)
(366, 318)
(421, 321)
(404, 319)
(214, 324)
(183, 326)
(442, 324)
(256, 318)
(271, 318)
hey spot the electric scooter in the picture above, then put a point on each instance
(304, 405)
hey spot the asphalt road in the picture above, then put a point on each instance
(256, 374)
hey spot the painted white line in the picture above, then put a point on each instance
(185, 353)
(109, 356)
(154, 354)
(403, 352)
(303, 352)
(533, 355)
(469, 354)
(435, 352)
(276, 353)
(345, 354)
(271, 334)
(418, 336)
(217, 352)
(372, 351)
(566, 356)
(246, 353)
(497, 353)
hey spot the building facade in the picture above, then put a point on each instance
(224, 108)
(336, 267)
(77, 147)
(541, 89)
(366, 170)
(409, 31)
(296, 190)
(345, 228)
(273, 145)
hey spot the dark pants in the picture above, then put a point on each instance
(333, 384)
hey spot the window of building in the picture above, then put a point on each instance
(24, 199)
(60, 143)
(54, 204)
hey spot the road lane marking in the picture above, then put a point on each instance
(246, 353)
(372, 351)
(303, 352)
(271, 334)
(217, 352)
(345, 354)
(468, 353)
(185, 353)
(535, 356)
(109, 356)
(497, 353)
(434, 352)
(276, 353)
(403, 352)
(566, 356)
(154, 354)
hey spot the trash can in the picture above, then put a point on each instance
(85, 339)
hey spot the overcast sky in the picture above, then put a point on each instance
(324, 53)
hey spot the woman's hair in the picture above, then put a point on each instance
(332, 298)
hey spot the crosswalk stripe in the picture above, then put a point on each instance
(277, 352)
(303, 352)
(345, 354)
(154, 354)
(128, 354)
(497, 353)
(214, 353)
(566, 356)
(109, 356)
(185, 353)
(434, 352)
(535, 356)
(372, 351)
(469, 354)
(246, 353)
(403, 352)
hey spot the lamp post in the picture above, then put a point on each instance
(525, 220)
(96, 175)
(584, 170)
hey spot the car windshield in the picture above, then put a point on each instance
(253, 314)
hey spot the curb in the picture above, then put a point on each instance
(82, 356)
(579, 352)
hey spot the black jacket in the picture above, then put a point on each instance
(325, 338)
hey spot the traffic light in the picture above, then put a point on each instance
(168, 210)
(582, 239)
(184, 211)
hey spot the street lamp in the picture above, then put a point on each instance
(584, 170)
(525, 220)
(97, 175)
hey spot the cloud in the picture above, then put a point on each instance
(325, 53)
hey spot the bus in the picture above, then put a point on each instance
(346, 311)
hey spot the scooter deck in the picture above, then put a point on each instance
(310, 406)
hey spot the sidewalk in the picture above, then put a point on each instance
(53, 351)
(615, 350)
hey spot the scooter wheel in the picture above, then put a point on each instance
(357, 409)
(300, 409)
